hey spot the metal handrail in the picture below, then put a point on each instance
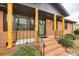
(42, 46)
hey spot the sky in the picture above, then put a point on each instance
(73, 10)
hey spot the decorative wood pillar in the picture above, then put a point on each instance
(36, 25)
(10, 17)
(62, 26)
(55, 26)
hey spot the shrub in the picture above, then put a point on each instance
(76, 31)
(25, 51)
(77, 36)
(67, 42)
(71, 36)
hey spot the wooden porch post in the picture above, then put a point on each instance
(9, 11)
(62, 26)
(54, 26)
(36, 25)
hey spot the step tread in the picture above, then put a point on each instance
(52, 47)
(55, 52)
(50, 43)
(63, 54)
(47, 40)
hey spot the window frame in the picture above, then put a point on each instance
(5, 23)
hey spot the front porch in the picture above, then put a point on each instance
(24, 27)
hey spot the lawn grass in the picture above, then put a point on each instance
(76, 50)
(76, 47)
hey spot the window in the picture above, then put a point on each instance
(65, 25)
(24, 23)
(20, 23)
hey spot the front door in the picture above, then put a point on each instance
(42, 27)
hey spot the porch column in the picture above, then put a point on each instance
(36, 25)
(9, 11)
(54, 26)
(62, 26)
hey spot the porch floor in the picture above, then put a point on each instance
(29, 40)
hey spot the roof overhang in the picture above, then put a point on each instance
(60, 8)
(30, 11)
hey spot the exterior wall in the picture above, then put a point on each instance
(50, 31)
(31, 34)
(69, 27)
(20, 34)
(3, 35)
(43, 6)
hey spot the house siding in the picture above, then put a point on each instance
(3, 35)
(50, 31)
(69, 27)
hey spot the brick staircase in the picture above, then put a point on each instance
(53, 48)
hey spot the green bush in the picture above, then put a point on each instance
(25, 51)
(67, 42)
(76, 31)
(77, 36)
(71, 36)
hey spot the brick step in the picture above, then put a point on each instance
(63, 54)
(55, 52)
(50, 42)
(47, 40)
(52, 47)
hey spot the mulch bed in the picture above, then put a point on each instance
(6, 52)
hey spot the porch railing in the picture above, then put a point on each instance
(42, 47)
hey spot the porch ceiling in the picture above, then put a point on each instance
(18, 8)
(23, 10)
(26, 10)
